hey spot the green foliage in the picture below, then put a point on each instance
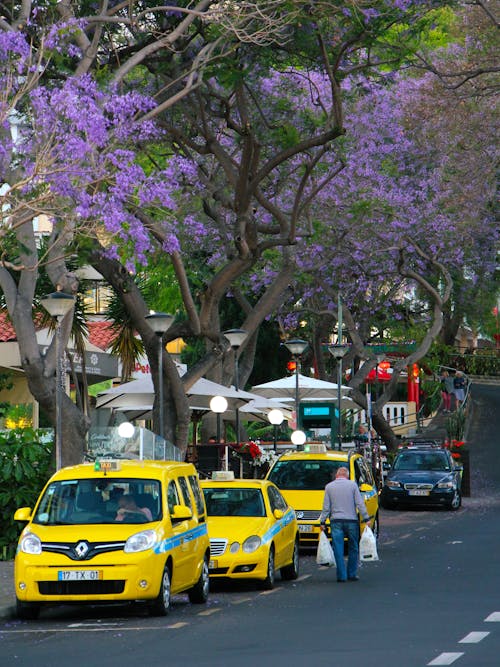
(455, 425)
(25, 466)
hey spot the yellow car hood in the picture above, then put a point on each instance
(238, 528)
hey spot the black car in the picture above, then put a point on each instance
(423, 476)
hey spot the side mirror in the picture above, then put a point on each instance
(22, 514)
(181, 512)
(278, 514)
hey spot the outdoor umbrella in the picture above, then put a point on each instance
(309, 388)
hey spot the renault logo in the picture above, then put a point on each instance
(81, 549)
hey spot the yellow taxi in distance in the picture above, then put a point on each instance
(114, 531)
(301, 476)
(253, 532)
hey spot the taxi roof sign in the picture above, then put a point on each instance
(107, 465)
(223, 475)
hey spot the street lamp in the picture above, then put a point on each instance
(339, 351)
(296, 347)
(236, 338)
(218, 404)
(275, 416)
(58, 304)
(160, 323)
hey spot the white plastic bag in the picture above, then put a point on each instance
(368, 545)
(324, 555)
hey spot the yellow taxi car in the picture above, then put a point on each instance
(253, 531)
(114, 531)
(302, 476)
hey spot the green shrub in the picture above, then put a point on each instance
(25, 465)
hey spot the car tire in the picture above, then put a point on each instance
(289, 572)
(456, 501)
(387, 504)
(27, 611)
(161, 605)
(199, 593)
(268, 583)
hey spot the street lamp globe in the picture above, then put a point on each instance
(235, 337)
(296, 346)
(218, 404)
(126, 430)
(275, 416)
(298, 437)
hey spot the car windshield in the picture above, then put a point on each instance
(310, 475)
(229, 501)
(80, 501)
(421, 461)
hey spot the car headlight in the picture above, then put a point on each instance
(142, 541)
(446, 485)
(251, 544)
(392, 484)
(30, 544)
(234, 548)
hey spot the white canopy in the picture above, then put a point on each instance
(309, 388)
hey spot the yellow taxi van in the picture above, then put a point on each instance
(114, 531)
(301, 476)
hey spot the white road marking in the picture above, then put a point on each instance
(241, 600)
(473, 637)
(445, 659)
(208, 612)
(303, 577)
(274, 590)
(175, 626)
(493, 618)
(98, 624)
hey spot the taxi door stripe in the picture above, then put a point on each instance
(176, 541)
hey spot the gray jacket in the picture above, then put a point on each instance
(342, 497)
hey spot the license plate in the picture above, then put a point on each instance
(212, 565)
(305, 528)
(79, 575)
(418, 492)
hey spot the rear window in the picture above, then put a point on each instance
(304, 475)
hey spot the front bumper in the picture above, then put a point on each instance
(40, 579)
(439, 498)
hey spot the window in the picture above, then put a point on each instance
(276, 500)
(185, 492)
(198, 497)
(172, 496)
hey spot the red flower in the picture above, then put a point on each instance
(456, 455)
(457, 443)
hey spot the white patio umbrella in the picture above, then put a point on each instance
(309, 388)
(139, 394)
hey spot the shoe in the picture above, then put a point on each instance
(353, 579)
(341, 581)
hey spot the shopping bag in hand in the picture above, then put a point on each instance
(324, 555)
(368, 545)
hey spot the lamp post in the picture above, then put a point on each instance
(236, 338)
(339, 351)
(296, 347)
(276, 417)
(160, 323)
(58, 304)
(218, 404)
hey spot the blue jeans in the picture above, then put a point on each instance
(350, 529)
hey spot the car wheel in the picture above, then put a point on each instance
(268, 582)
(27, 611)
(456, 501)
(387, 504)
(291, 571)
(161, 606)
(199, 593)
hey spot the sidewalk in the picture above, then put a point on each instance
(7, 595)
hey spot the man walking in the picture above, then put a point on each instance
(342, 497)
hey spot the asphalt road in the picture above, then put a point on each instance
(433, 598)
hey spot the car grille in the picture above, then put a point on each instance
(81, 587)
(82, 550)
(307, 515)
(217, 547)
(415, 485)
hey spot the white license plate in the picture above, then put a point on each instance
(79, 575)
(305, 528)
(418, 492)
